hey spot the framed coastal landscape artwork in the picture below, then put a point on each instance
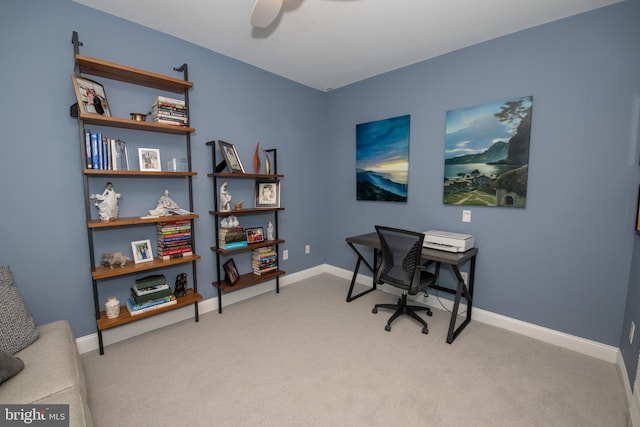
(487, 154)
(382, 159)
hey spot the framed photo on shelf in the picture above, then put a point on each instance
(254, 235)
(142, 251)
(231, 157)
(149, 159)
(267, 194)
(90, 96)
(121, 160)
(231, 272)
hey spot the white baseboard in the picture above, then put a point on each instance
(633, 410)
(561, 339)
(581, 345)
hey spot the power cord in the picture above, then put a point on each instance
(437, 295)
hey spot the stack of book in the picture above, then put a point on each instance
(170, 111)
(231, 238)
(174, 239)
(150, 293)
(264, 260)
(104, 153)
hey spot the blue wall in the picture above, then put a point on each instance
(563, 262)
(43, 230)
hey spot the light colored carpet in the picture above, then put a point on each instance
(305, 357)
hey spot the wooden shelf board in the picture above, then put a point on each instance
(125, 317)
(97, 119)
(130, 173)
(135, 220)
(250, 247)
(130, 268)
(246, 280)
(245, 175)
(123, 73)
(245, 211)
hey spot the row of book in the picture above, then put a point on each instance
(174, 239)
(232, 238)
(264, 260)
(169, 111)
(150, 293)
(105, 153)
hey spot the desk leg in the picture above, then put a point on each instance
(460, 292)
(351, 297)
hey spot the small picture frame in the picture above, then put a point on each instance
(231, 157)
(149, 159)
(267, 193)
(91, 96)
(120, 157)
(142, 251)
(254, 235)
(231, 272)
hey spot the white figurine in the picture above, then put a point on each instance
(270, 230)
(166, 207)
(107, 202)
(229, 222)
(225, 198)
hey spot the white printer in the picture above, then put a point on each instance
(446, 241)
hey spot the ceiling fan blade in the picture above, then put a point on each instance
(265, 12)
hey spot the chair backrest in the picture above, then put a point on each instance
(401, 253)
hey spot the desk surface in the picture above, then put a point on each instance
(455, 258)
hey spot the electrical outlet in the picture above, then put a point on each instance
(307, 249)
(632, 331)
(466, 215)
(285, 254)
(465, 277)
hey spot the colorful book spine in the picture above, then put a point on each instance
(148, 298)
(87, 143)
(233, 245)
(150, 289)
(180, 255)
(95, 157)
(135, 309)
(174, 239)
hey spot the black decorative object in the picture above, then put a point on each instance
(181, 285)
(231, 272)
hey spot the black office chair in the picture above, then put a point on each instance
(400, 267)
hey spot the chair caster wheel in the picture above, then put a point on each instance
(425, 330)
(375, 310)
(387, 328)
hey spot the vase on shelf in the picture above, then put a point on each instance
(112, 307)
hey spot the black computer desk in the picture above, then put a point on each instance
(453, 259)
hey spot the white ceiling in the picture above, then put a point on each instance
(327, 44)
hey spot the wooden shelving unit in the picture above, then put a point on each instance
(107, 272)
(108, 70)
(125, 317)
(248, 279)
(135, 220)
